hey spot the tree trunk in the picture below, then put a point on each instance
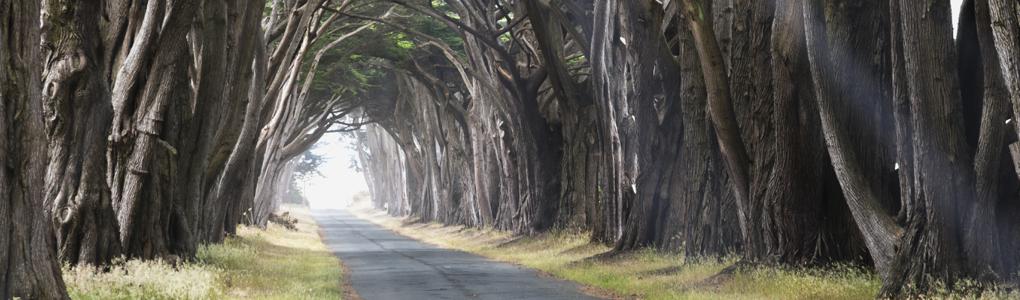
(611, 58)
(802, 215)
(149, 109)
(232, 184)
(210, 109)
(930, 249)
(646, 62)
(77, 106)
(703, 213)
(1005, 25)
(827, 45)
(981, 237)
(29, 267)
(245, 46)
(747, 73)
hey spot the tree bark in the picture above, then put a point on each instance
(225, 205)
(981, 237)
(702, 214)
(616, 129)
(802, 215)
(1005, 25)
(931, 242)
(864, 199)
(78, 115)
(210, 109)
(28, 261)
(148, 111)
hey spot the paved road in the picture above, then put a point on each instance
(384, 265)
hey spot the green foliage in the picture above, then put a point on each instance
(308, 165)
(359, 67)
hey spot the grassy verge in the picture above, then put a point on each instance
(644, 274)
(272, 264)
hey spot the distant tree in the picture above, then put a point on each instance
(306, 167)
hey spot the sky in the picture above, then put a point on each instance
(339, 181)
(956, 13)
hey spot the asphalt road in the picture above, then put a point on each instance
(383, 265)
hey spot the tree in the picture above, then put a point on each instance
(27, 247)
(229, 155)
(788, 210)
(148, 112)
(78, 119)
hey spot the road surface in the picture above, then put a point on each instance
(383, 265)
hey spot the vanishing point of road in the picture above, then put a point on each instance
(383, 265)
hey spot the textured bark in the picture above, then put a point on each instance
(799, 206)
(1005, 26)
(78, 112)
(934, 237)
(148, 113)
(931, 242)
(210, 109)
(576, 114)
(720, 103)
(981, 237)
(827, 42)
(702, 218)
(29, 267)
(646, 68)
(616, 129)
(750, 34)
(232, 142)
(119, 28)
(681, 202)
(788, 207)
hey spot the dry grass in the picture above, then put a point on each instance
(272, 264)
(144, 280)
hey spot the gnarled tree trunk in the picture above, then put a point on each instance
(149, 109)
(78, 110)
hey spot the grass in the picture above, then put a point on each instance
(257, 264)
(643, 274)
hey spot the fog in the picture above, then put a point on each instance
(339, 181)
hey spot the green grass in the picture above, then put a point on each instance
(643, 274)
(257, 264)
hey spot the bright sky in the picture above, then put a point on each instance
(339, 182)
(956, 13)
